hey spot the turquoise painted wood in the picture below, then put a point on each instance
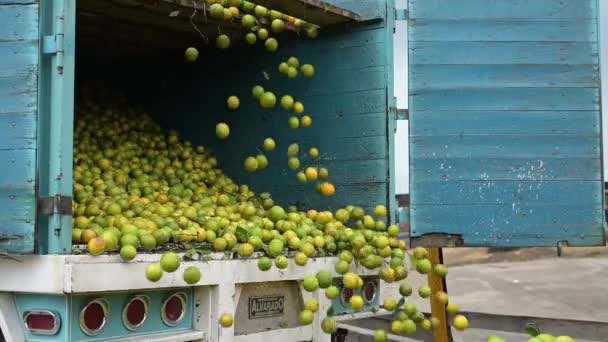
(19, 41)
(505, 138)
(348, 100)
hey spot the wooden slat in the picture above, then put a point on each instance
(503, 9)
(508, 30)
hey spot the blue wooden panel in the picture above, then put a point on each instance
(347, 100)
(529, 193)
(505, 121)
(530, 99)
(428, 76)
(508, 30)
(18, 119)
(508, 225)
(499, 9)
(433, 123)
(19, 131)
(511, 168)
(422, 52)
(506, 146)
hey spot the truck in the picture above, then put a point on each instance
(504, 126)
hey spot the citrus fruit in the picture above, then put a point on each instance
(306, 121)
(420, 253)
(350, 280)
(380, 336)
(327, 189)
(169, 261)
(560, 339)
(342, 267)
(234, 10)
(298, 107)
(110, 240)
(220, 244)
(310, 283)
(405, 289)
(262, 161)
(494, 338)
(293, 122)
(245, 250)
(452, 308)
(329, 326)
(271, 44)
(277, 26)
(460, 322)
(393, 230)
(154, 272)
(268, 100)
(191, 54)
(192, 275)
(287, 102)
(128, 252)
(248, 21)
(250, 164)
(283, 67)
(390, 304)
(424, 291)
(293, 163)
(312, 33)
(251, 38)
(87, 235)
(233, 102)
(301, 177)
(276, 246)
(307, 70)
(293, 150)
(226, 320)
(216, 11)
(148, 242)
(423, 266)
(300, 259)
(222, 41)
(325, 279)
(227, 14)
(332, 292)
(442, 297)
(260, 11)
(356, 302)
(264, 263)
(293, 62)
(281, 262)
(263, 34)
(222, 130)
(306, 317)
(311, 305)
(426, 325)
(96, 246)
(441, 270)
(545, 337)
(380, 211)
(397, 327)
(409, 327)
(292, 72)
(269, 145)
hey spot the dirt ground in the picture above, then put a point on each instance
(468, 256)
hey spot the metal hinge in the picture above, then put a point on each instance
(51, 45)
(55, 205)
(401, 14)
(400, 114)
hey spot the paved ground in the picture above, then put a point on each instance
(556, 289)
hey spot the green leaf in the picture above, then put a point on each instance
(204, 250)
(189, 254)
(401, 302)
(330, 311)
(242, 234)
(532, 331)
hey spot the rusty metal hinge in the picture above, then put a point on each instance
(59, 205)
(400, 114)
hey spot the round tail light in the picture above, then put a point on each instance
(346, 295)
(369, 292)
(174, 309)
(94, 316)
(42, 322)
(135, 312)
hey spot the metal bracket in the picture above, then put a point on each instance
(438, 240)
(60, 205)
(401, 114)
(401, 14)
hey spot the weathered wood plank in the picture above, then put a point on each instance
(506, 225)
(17, 217)
(23, 19)
(428, 76)
(503, 9)
(517, 99)
(515, 192)
(448, 122)
(506, 146)
(18, 168)
(507, 30)
(422, 52)
(19, 132)
(509, 168)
